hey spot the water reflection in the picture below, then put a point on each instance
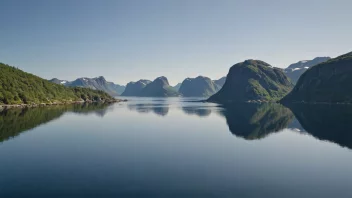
(126, 154)
(256, 121)
(161, 110)
(248, 121)
(158, 109)
(326, 122)
(202, 111)
(296, 126)
(15, 121)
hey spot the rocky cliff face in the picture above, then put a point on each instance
(198, 87)
(294, 71)
(159, 88)
(135, 88)
(328, 82)
(253, 80)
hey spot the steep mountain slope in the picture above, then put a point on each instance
(327, 82)
(119, 89)
(220, 82)
(198, 87)
(18, 87)
(177, 87)
(294, 71)
(135, 88)
(253, 80)
(98, 83)
(159, 88)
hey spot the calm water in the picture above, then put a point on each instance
(150, 147)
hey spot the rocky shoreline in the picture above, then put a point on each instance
(5, 106)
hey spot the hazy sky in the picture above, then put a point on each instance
(126, 40)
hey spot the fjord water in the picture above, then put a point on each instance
(176, 147)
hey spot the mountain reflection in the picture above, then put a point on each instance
(256, 121)
(161, 110)
(15, 121)
(199, 111)
(326, 122)
(249, 121)
(158, 109)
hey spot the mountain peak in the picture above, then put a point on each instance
(253, 80)
(200, 86)
(202, 77)
(100, 77)
(322, 58)
(295, 70)
(162, 79)
(158, 88)
(255, 62)
(135, 88)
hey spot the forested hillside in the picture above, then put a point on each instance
(18, 87)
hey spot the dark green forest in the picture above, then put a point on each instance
(19, 87)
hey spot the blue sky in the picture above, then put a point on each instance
(126, 40)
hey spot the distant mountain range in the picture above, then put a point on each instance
(295, 70)
(321, 80)
(160, 87)
(98, 83)
(191, 87)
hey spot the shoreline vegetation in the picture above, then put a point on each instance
(110, 101)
